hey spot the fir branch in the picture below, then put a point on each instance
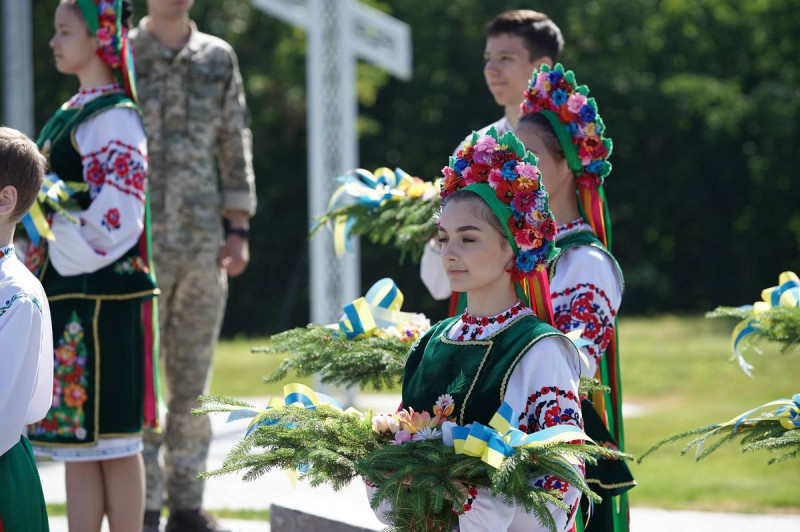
(777, 324)
(754, 435)
(407, 224)
(589, 385)
(371, 361)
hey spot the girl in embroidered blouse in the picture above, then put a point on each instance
(562, 127)
(96, 272)
(529, 364)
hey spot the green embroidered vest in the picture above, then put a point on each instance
(131, 275)
(475, 373)
(582, 238)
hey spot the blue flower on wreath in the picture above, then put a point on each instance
(594, 167)
(560, 97)
(460, 165)
(554, 77)
(587, 113)
(572, 127)
(526, 260)
(517, 214)
(509, 172)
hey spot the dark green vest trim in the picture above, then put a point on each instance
(583, 238)
(129, 277)
(475, 373)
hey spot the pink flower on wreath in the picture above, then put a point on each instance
(469, 176)
(549, 229)
(103, 37)
(495, 178)
(575, 101)
(527, 170)
(542, 82)
(527, 239)
(401, 437)
(484, 150)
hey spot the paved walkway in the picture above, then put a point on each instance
(350, 504)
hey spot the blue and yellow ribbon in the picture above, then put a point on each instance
(379, 309)
(498, 441)
(785, 294)
(54, 191)
(372, 189)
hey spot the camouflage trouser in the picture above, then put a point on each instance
(191, 306)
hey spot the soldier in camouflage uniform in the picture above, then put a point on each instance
(191, 95)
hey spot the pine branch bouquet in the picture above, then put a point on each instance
(386, 206)
(776, 318)
(774, 430)
(368, 346)
(423, 465)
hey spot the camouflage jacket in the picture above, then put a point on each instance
(200, 148)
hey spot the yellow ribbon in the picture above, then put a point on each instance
(372, 189)
(379, 309)
(785, 294)
(494, 446)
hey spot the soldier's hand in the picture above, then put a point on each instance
(234, 255)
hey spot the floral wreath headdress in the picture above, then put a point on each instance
(104, 18)
(580, 130)
(505, 176)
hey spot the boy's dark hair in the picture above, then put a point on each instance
(541, 35)
(22, 166)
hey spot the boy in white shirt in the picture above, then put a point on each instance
(26, 342)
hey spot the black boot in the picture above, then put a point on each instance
(192, 521)
(152, 520)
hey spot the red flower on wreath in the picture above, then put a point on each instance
(111, 220)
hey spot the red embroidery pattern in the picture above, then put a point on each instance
(544, 409)
(119, 165)
(111, 220)
(586, 306)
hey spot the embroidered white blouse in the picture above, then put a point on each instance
(26, 350)
(113, 151)
(543, 389)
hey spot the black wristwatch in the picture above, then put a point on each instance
(241, 232)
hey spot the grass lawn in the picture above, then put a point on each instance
(677, 369)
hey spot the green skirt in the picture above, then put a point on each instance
(98, 384)
(22, 507)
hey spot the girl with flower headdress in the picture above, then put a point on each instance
(497, 234)
(97, 273)
(561, 125)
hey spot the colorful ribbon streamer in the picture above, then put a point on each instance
(372, 190)
(498, 441)
(379, 309)
(54, 192)
(786, 294)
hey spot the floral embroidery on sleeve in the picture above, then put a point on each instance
(116, 164)
(111, 220)
(548, 407)
(586, 306)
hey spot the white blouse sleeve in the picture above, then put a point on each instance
(22, 338)
(432, 273)
(586, 292)
(113, 152)
(544, 388)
